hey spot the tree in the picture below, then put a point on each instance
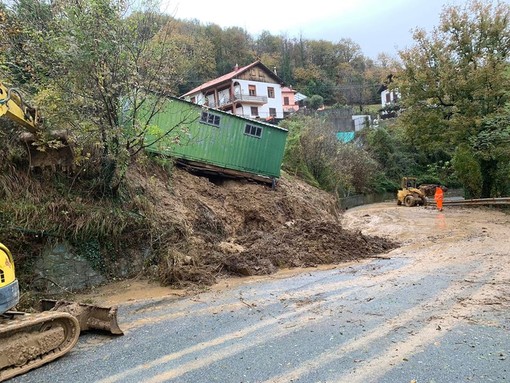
(315, 102)
(98, 63)
(454, 80)
(192, 45)
(314, 152)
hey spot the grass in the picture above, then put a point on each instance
(36, 210)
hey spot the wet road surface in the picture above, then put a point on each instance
(434, 310)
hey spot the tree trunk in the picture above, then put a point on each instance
(488, 168)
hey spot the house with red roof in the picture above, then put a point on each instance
(253, 91)
(290, 104)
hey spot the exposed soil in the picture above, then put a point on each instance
(234, 228)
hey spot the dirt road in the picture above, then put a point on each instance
(436, 309)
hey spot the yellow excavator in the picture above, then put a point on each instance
(29, 340)
(58, 154)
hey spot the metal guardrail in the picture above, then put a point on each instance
(473, 202)
(364, 199)
(357, 200)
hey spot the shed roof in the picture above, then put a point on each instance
(300, 96)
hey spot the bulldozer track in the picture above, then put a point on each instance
(31, 340)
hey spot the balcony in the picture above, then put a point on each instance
(247, 99)
(242, 98)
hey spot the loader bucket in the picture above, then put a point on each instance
(90, 317)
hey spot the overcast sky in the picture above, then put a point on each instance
(376, 25)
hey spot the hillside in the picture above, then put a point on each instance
(240, 228)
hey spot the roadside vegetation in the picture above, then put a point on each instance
(90, 65)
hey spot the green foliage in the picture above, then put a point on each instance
(314, 153)
(91, 251)
(454, 81)
(315, 102)
(396, 157)
(293, 159)
(468, 171)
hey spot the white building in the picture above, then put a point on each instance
(252, 91)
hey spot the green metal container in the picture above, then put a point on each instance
(191, 132)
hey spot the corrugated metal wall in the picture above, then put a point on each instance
(224, 144)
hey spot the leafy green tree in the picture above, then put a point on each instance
(315, 102)
(394, 156)
(98, 63)
(468, 171)
(191, 43)
(355, 170)
(492, 150)
(234, 46)
(314, 153)
(453, 80)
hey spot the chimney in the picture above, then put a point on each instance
(236, 68)
(274, 70)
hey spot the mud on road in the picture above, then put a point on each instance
(466, 251)
(435, 309)
(474, 240)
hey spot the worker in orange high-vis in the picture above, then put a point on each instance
(438, 196)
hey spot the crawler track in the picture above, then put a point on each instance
(31, 340)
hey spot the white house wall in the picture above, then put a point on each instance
(361, 121)
(199, 98)
(261, 91)
(393, 95)
(243, 89)
(223, 96)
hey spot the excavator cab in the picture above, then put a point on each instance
(9, 289)
(409, 182)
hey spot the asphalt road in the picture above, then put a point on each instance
(435, 310)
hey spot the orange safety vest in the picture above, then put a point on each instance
(439, 194)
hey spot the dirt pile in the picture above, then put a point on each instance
(240, 228)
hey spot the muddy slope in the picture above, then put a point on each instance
(241, 228)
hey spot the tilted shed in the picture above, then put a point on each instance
(217, 141)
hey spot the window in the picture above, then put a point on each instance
(388, 97)
(254, 111)
(272, 112)
(286, 101)
(252, 130)
(210, 118)
(193, 100)
(252, 90)
(270, 92)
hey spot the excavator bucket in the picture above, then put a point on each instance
(90, 317)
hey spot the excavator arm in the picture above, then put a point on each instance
(14, 108)
(56, 152)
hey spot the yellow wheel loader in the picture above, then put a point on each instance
(409, 195)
